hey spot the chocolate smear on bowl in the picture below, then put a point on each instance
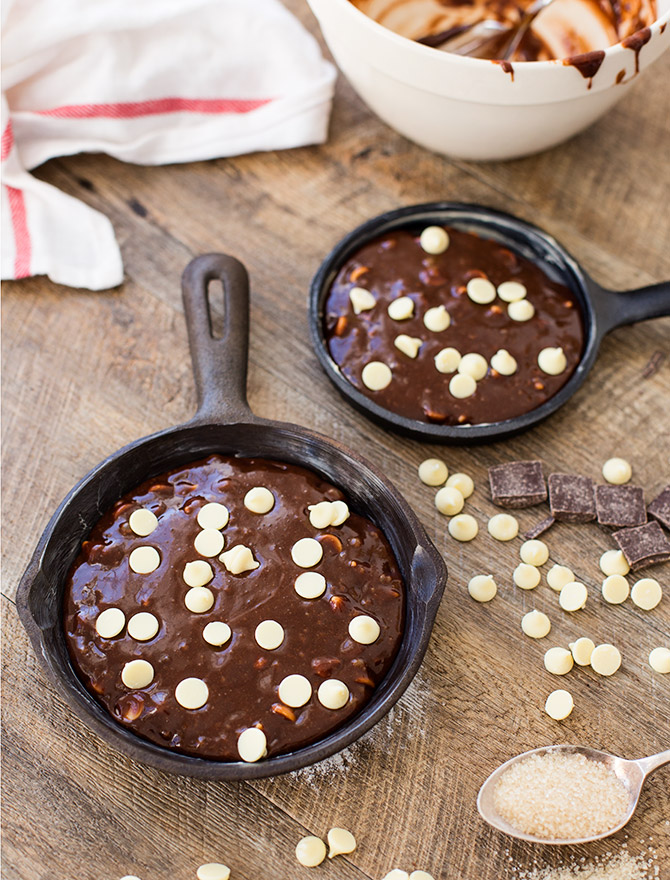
(588, 64)
(635, 42)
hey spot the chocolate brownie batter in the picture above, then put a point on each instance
(396, 265)
(242, 678)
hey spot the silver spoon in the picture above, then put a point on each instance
(631, 773)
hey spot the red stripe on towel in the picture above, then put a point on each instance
(22, 246)
(133, 109)
(7, 141)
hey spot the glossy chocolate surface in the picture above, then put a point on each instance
(396, 265)
(362, 578)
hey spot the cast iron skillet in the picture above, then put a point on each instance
(602, 310)
(225, 424)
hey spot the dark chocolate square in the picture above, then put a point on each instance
(539, 529)
(517, 484)
(620, 506)
(643, 545)
(660, 508)
(571, 498)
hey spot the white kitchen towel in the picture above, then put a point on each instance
(147, 81)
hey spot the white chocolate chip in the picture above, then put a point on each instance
(421, 875)
(558, 661)
(401, 309)
(396, 874)
(552, 361)
(143, 522)
(523, 310)
(582, 650)
(252, 745)
(617, 471)
(269, 634)
(333, 694)
(340, 842)
(615, 589)
(449, 501)
(559, 705)
(376, 376)
(434, 240)
(614, 562)
(198, 573)
(463, 483)
(110, 622)
(259, 500)
(216, 633)
(481, 290)
(209, 542)
(307, 552)
(433, 472)
(295, 690)
(573, 596)
(213, 871)
(482, 587)
(144, 560)
(525, 576)
(511, 291)
(534, 552)
(364, 629)
(437, 319)
(605, 659)
(310, 851)
(503, 527)
(462, 385)
(213, 516)
(310, 585)
(361, 300)
(137, 674)
(659, 660)
(191, 693)
(646, 593)
(463, 527)
(503, 362)
(558, 576)
(474, 365)
(408, 345)
(328, 513)
(143, 626)
(199, 599)
(447, 360)
(239, 559)
(340, 513)
(535, 624)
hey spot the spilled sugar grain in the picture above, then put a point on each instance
(611, 866)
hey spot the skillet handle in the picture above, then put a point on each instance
(617, 308)
(219, 365)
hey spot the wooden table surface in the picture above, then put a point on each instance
(87, 372)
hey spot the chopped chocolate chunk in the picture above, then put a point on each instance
(571, 498)
(620, 506)
(660, 508)
(643, 545)
(517, 484)
(539, 529)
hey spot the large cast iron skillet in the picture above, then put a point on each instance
(225, 424)
(602, 310)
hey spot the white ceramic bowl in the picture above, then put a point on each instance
(471, 108)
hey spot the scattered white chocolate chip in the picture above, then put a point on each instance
(535, 624)
(573, 596)
(239, 559)
(143, 522)
(474, 365)
(199, 599)
(361, 300)
(191, 693)
(144, 560)
(333, 694)
(209, 542)
(481, 290)
(137, 674)
(310, 851)
(110, 622)
(340, 842)
(559, 705)
(605, 659)
(434, 240)
(396, 874)
(433, 472)
(511, 291)
(213, 871)
(213, 516)
(421, 875)
(216, 633)
(376, 376)
(525, 576)
(646, 593)
(582, 650)
(269, 634)
(364, 629)
(408, 345)
(552, 361)
(659, 660)
(449, 501)
(503, 527)
(437, 319)
(523, 310)
(462, 385)
(252, 745)
(307, 552)
(482, 587)
(198, 573)
(617, 471)
(463, 483)
(447, 360)
(328, 513)
(558, 576)
(340, 512)
(143, 626)
(310, 585)
(259, 500)
(503, 362)
(130, 877)
(534, 552)
(463, 527)
(615, 589)
(294, 690)
(401, 309)
(614, 562)
(558, 661)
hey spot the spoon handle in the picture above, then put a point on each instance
(653, 762)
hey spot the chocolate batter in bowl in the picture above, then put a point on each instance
(207, 687)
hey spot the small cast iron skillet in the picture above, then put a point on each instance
(225, 424)
(602, 310)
